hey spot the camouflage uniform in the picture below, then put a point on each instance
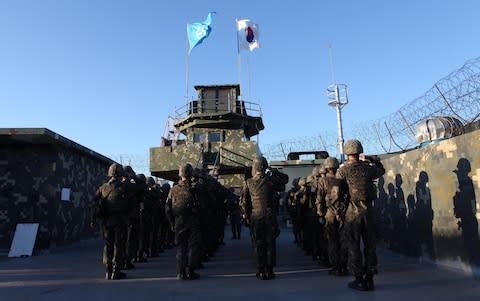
(182, 211)
(234, 213)
(261, 212)
(145, 226)
(292, 210)
(113, 208)
(134, 198)
(153, 194)
(359, 218)
(332, 202)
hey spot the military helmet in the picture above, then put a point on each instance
(150, 181)
(115, 170)
(322, 170)
(353, 147)
(166, 187)
(141, 178)
(128, 170)
(295, 182)
(185, 170)
(315, 171)
(331, 162)
(302, 181)
(260, 164)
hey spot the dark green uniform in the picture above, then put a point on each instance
(332, 202)
(182, 211)
(113, 208)
(258, 202)
(359, 218)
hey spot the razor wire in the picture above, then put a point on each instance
(456, 95)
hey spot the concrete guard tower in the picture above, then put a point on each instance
(216, 130)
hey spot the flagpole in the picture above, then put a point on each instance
(186, 67)
(249, 79)
(238, 58)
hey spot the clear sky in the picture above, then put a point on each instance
(106, 74)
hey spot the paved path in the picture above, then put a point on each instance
(75, 273)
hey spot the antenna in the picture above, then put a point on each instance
(332, 67)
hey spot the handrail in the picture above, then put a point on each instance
(216, 105)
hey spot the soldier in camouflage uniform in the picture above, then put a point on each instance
(145, 219)
(257, 202)
(164, 225)
(332, 202)
(153, 194)
(292, 209)
(113, 208)
(134, 198)
(359, 218)
(182, 211)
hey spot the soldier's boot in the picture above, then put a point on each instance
(358, 284)
(191, 275)
(369, 282)
(181, 274)
(117, 274)
(342, 271)
(261, 274)
(334, 271)
(128, 266)
(269, 273)
(108, 272)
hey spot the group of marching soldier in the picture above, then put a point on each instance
(140, 219)
(331, 211)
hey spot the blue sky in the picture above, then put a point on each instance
(106, 74)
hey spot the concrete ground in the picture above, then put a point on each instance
(75, 273)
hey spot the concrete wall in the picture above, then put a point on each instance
(428, 202)
(31, 179)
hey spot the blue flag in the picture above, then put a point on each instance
(199, 31)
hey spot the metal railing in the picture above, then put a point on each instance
(217, 105)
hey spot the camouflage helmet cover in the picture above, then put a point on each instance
(331, 162)
(150, 181)
(316, 171)
(185, 170)
(128, 170)
(321, 169)
(141, 178)
(260, 164)
(115, 170)
(166, 187)
(302, 181)
(353, 147)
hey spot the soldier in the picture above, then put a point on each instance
(145, 218)
(359, 218)
(258, 204)
(113, 208)
(133, 216)
(332, 202)
(292, 209)
(234, 213)
(164, 225)
(300, 197)
(182, 212)
(153, 194)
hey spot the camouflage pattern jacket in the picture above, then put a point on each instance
(359, 176)
(258, 194)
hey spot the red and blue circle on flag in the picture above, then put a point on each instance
(250, 34)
